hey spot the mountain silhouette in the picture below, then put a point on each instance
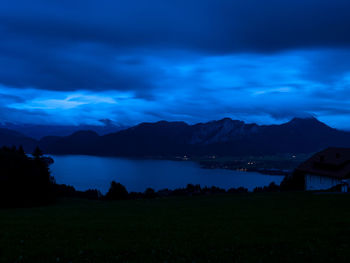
(169, 139)
(13, 138)
(38, 131)
(221, 137)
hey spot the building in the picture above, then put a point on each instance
(327, 169)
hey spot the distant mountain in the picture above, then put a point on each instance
(39, 131)
(222, 137)
(13, 138)
(81, 142)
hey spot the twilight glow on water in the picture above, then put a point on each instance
(84, 172)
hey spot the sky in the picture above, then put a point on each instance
(79, 62)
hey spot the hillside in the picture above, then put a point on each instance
(13, 138)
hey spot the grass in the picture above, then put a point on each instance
(270, 227)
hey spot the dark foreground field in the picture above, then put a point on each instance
(224, 228)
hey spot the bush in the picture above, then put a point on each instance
(150, 193)
(193, 189)
(272, 187)
(62, 190)
(294, 182)
(237, 190)
(117, 191)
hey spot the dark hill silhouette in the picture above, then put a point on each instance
(222, 137)
(302, 135)
(148, 139)
(13, 138)
(169, 139)
(81, 142)
(37, 131)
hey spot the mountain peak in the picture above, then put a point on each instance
(158, 124)
(308, 121)
(84, 133)
(227, 120)
(309, 118)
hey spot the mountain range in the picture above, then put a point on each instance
(168, 139)
(37, 131)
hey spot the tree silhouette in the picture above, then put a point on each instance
(150, 193)
(21, 150)
(117, 191)
(24, 181)
(37, 153)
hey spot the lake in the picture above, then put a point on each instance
(92, 172)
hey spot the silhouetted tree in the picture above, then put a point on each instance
(37, 153)
(92, 194)
(24, 181)
(193, 189)
(21, 150)
(150, 193)
(136, 195)
(62, 190)
(117, 191)
(272, 187)
(258, 189)
(237, 190)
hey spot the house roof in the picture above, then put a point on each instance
(331, 162)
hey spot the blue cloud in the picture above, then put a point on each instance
(255, 88)
(131, 61)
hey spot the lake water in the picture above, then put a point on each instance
(84, 172)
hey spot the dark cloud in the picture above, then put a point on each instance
(179, 60)
(62, 45)
(82, 67)
(10, 98)
(26, 116)
(212, 26)
(327, 67)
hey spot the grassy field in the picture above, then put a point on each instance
(275, 227)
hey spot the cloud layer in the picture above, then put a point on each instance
(263, 61)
